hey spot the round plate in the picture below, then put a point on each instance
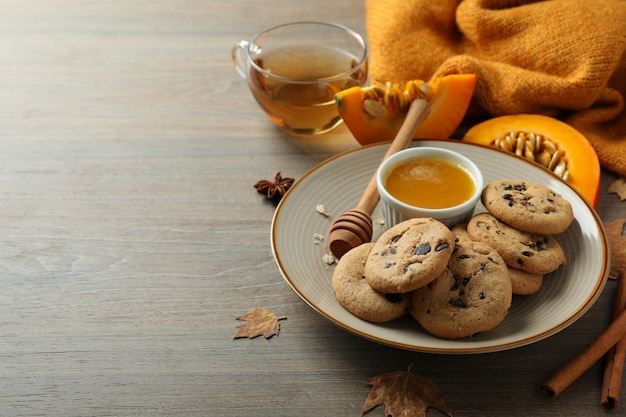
(338, 182)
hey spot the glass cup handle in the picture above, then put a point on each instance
(239, 58)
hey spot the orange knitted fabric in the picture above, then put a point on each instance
(562, 58)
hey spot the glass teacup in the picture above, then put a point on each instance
(294, 71)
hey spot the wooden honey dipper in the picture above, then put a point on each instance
(354, 227)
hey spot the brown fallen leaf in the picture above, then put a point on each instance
(258, 322)
(404, 394)
(618, 187)
(617, 245)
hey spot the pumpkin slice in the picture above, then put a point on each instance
(375, 113)
(549, 142)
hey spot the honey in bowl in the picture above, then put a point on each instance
(430, 183)
(427, 181)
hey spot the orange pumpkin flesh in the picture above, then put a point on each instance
(583, 166)
(449, 100)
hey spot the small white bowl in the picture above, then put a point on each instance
(396, 211)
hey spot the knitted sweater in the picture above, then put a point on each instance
(561, 58)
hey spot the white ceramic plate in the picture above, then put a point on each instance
(338, 182)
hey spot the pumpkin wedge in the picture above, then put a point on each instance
(375, 113)
(549, 142)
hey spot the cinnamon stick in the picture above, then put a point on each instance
(614, 366)
(569, 372)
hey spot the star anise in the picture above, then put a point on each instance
(274, 190)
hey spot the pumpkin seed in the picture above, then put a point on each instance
(375, 108)
(535, 148)
(382, 101)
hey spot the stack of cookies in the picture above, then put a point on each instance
(520, 222)
(458, 282)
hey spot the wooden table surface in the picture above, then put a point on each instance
(131, 236)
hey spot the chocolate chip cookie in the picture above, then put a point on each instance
(523, 283)
(460, 233)
(527, 206)
(355, 294)
(530, 252)
(473, 295)
(409, 255)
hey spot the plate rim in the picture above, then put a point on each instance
(580, 310)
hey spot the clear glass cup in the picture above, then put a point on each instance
(294, 71)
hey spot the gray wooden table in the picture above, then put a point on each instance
(131, 237)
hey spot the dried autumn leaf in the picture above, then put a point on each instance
(618, 187)
(404, 394)
(258, 322)
(617, 245)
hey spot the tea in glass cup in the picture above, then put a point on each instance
(294, 71)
